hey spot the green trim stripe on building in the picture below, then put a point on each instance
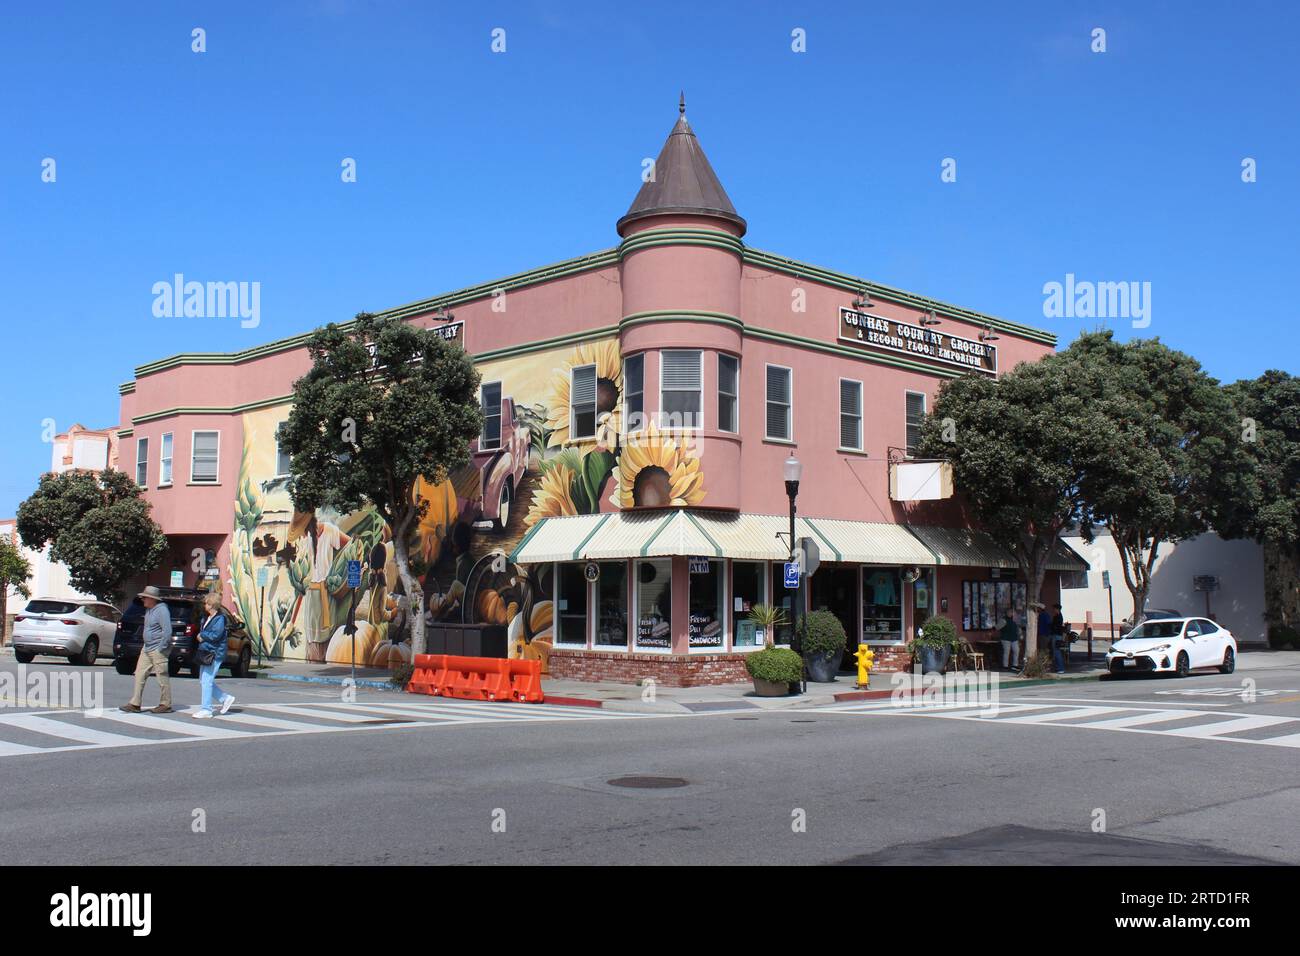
(577, 552)
(717, 548)
(668, 518)
(514, 555)
(652, 238)
(682, 315)
(839, 555)
(832, 349)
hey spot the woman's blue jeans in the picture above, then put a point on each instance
(208, 681)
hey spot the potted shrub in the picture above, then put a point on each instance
(774, 669)
(822, 640)
(935, 641)
(766, 620)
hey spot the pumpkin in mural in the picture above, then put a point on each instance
(535, 645)
(339, 650)
(492, 607)
(390, 655)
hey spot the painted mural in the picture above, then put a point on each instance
(288, 569)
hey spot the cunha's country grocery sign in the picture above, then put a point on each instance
(878, 332)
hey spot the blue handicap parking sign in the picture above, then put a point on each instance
(792, 575)
(354, 574)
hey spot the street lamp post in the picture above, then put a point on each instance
(792, 470)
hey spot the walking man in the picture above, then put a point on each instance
(153, 655)
(1010, 638)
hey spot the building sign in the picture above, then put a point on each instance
(591, 571)
(1206, 582)
(451, 332)
(879, 332)
(699, 565)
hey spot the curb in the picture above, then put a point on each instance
(571, 701)
(335, 681)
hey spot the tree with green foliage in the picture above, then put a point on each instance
(97, 524)
(14, 572)
(385, 404)
(1175, 460)
(1268, 422)
(1021, 447)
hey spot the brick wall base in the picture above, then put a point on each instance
(667, 670)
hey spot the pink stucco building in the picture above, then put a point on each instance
(623, 508)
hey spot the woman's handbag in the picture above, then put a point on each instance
(206, 657)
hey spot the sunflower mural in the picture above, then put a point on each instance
(608, 361)
(657, 470)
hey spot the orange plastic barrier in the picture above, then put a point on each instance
(424, 678)
(477, 678)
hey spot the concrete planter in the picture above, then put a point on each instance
(767, 688)
(822, 668)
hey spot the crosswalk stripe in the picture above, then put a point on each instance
(8, 750)
(1062, 715)
(272, 723)
(67, 730)
(1290, 740)
(1150, 717)
(319, 712)
(439, 713)
(477, 709)
(1228, 726)
(176, 725)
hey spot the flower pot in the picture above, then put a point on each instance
(822, 668)
(769, 688)
(932, 659)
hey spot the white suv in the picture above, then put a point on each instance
(79, 630)
(1177, 646)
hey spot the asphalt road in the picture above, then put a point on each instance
(871, 785)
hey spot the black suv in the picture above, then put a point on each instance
(186, 608)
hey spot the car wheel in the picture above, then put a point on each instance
(1184, 666)
(240, 667)
(24, 657)
(124, 666)
(1229, 662)
(173, 668)
(88, 653)
(503, 506)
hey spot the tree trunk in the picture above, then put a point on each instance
(414, 592)
(1034, 575)
(4, 613)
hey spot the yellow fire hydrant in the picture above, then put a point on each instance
(865, 660)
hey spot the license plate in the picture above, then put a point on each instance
(1129, 662)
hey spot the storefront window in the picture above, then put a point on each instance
(882, 604)
(654, 605)
(782, 599)
(611, 622)
(985, 604)
(746, 591)
(706, 604)
(571, 598)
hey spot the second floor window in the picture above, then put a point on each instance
(142, 461)
(850, 414)
(204, 457)
(282, 460)
(491, 397)
(634, 392)
(728, 393)
(680, 389)
(915, 419)
(582, 402)
(165, 461)
(779, 401)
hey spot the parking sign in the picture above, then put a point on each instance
(792, 576)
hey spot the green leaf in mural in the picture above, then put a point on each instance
(596, 469)
(578, 492)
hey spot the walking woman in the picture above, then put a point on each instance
(211, 654)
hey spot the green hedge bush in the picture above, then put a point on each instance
(780, 665)
(821, 633)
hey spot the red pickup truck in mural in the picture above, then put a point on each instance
(501, 467)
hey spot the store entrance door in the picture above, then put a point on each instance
(835, 589)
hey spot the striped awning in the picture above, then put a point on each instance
(967, 547)
(688, 533)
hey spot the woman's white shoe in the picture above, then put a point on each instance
(202, 715)
(227, 704)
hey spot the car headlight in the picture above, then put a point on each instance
(1162, 647)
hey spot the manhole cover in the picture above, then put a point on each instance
(647, 783)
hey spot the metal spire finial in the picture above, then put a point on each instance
(681, 104)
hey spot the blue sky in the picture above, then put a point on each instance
(225, 165)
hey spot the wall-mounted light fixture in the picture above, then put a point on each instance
(988, 335)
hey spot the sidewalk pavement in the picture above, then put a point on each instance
(681, 700)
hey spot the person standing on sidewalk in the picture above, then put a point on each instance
(211, 655)
(1010, 637)
(157, 631)
(1058, 639)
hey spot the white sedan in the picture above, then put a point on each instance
(1179, 646)
(78, 630)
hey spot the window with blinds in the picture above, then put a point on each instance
(779, 401)
(634, 392)
(582, 402)
(680, 389)
(728, 393)
(165, 460)
(850, 414)
(142, 461)
(490, 396)
(915, 419)
(204, 455)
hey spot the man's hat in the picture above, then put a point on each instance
(151, 592)
(298, 527)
